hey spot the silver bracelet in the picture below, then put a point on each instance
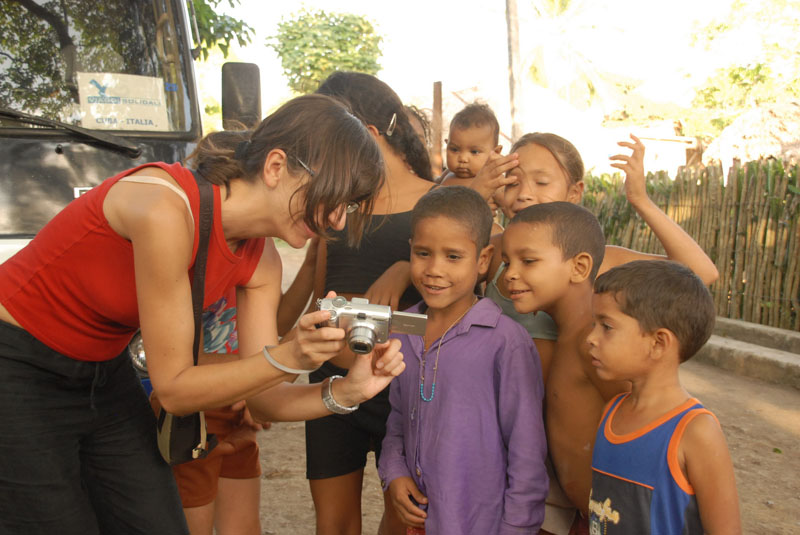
(281, 367)
(330, 403)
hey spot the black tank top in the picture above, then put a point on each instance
(385, 241)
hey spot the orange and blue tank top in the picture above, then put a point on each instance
(637, 483)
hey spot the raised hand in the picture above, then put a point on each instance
(633, 166)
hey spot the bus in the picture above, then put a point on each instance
(89, 89)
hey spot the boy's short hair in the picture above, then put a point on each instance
(574, 229)
(663, 294)
(461, 204)
(478, 115)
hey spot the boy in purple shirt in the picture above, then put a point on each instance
(465, 446)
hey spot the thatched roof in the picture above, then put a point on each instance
(773, 130)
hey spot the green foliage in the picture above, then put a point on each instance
(314, 44)
(771, 74)
(218, 29)
(730, 91)
(551, 7)
(766, 36)
(561, 57)
(43, 44)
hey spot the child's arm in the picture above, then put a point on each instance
(295, 300)
(678, 245)
(708, 468)
(392, 468)
(390, 286)
(520, 394)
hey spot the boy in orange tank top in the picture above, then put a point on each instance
(660, 462)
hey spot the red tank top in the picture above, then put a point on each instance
(73, 286)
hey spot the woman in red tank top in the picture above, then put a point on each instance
(78, 451)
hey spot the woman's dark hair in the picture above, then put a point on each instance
(375, 103)
(416, 114)
(565, 153)
(313, 129)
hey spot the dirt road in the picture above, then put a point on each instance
(761, 422)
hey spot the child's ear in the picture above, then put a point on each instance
(575, 192)
(373, 130)
(498, 149)
(582, 264)
(484, 259)
(664, 344)
(271, 173)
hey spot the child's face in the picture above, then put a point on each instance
(445, 263)
(537, 274)
(619, 347)
(468, 149)
(539, 179)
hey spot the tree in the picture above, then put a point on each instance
(767, 69)
(564, 57)
(44, 43)
(514, 74)
(218, 29)
(314, 44)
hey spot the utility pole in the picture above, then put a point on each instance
(436, 148)
(514, 68)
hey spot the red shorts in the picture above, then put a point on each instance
(197, 480)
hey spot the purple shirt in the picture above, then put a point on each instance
(477, 450)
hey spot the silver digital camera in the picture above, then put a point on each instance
(366, 325)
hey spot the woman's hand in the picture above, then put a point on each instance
(633, 165)
(312, 346)
(492, 175)
(390, 286)
(370, 374)
(401, 491)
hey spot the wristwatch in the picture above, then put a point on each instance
(330, 403)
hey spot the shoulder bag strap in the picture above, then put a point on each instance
(206, 218)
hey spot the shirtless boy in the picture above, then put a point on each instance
(553, 252)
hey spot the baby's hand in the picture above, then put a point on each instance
(492, 175)
(633, 165)
(401, 491)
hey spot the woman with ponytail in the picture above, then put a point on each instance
(378, 269)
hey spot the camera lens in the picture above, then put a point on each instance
(361, 339)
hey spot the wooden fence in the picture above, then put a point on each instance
(747, 222)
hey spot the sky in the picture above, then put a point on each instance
(462, 43)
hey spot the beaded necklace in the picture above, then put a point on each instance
(436, 363)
